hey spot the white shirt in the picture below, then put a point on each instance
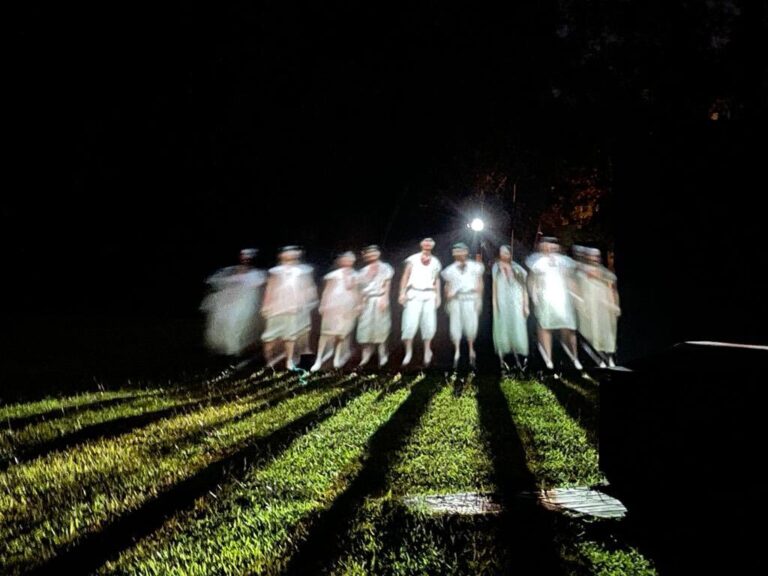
(373, 284)
(463, 281)
(423, 276)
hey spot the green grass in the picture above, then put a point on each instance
(53, 501)
(446, 452)
(557, 448)
(559, 454)
(25, 439)
(596, 558)
(254, 524)
(28, 409)
(325, 483)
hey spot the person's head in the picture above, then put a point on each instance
(505, 253)
(427, 245)
(460, 252)
(592, 255)
(247, 256)
(548, 245)
(346, 260)
(371, 254)
(290, 254)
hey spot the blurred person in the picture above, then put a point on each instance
(510, 308)
(232, 307)
(339, 307)
(464, 300)
(420, 297)
(289, 299)
(551, 286)
(598, 307)
(375, 322)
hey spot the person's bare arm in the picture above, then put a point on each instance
(327, 289)
(384, 301)
(268, 296)
(404, 283)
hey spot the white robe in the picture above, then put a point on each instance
(288, 302)
(510, 327)
(375, 321)
(597, 312)
(551, 275)
(339, 305)
(232, 309)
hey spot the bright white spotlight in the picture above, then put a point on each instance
(477, 225)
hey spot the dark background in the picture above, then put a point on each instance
(149, 143)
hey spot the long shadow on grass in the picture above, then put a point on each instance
(582, 409)
(206, 387)
(524, 533)
(195, 434)
(56, 413)
(94, 550)
(323, 543)
(276, 392)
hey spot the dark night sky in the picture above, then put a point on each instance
(149, 143)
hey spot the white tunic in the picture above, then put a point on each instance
(339, 305)
(464, 281)
(421, 282)
(233, 309)
(288, 302)
(553, 305)
(510, 329)
(597, 311)
(375, 320)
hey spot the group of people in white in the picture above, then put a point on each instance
(247, 306)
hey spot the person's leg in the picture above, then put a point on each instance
(320, 350)
(289, 347)
(269, 351)
(342, 352)
(470, 321)
(383, 354)
(428, 324)
(454, 328)
(411, 314)
(367, 353)
(569, 339)
(545, 346)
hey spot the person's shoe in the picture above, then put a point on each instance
(407, 359)
(427, 358)
(577, 364)
(315, 367)
(383, 361)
